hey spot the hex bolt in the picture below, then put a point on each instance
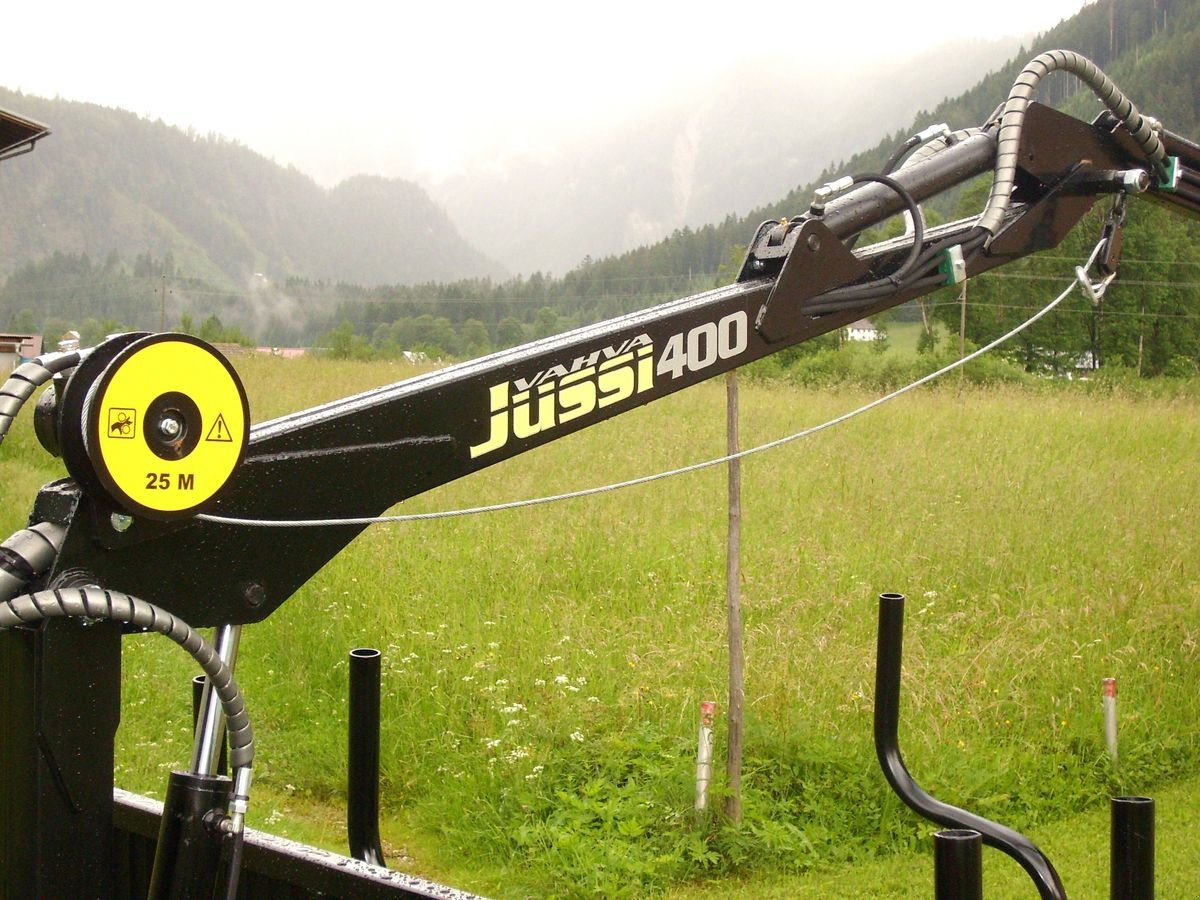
(814, 243)
(254, 594)
(170, 427)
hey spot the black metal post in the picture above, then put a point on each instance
(958, 864)
(60, 702)
(198, 683)
(887, 749)
(1132, 860)
(362, 790)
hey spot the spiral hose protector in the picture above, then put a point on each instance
(1013, 118)
(27, 378)
(96, 603)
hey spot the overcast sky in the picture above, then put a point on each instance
(418, 90)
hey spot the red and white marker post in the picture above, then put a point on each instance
(1110, 716)
(704, 751)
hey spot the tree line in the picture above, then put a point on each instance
(1149, 320)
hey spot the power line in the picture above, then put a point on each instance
(1104, 311)
(646, 479)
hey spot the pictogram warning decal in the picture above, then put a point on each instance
(122, 423)
(220, 431)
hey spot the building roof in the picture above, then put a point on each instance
(18, 134)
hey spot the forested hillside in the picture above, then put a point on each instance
(108, 181)
(1150, 321)
(1151, 317)
(1151, 48)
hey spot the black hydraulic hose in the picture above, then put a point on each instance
(234, 867)
(888, 168)
(867, 298)
(856, 294)
(27, 554)
(887, 749)
(899, 153)
(833, 301)
(96, 603)
(28, 377)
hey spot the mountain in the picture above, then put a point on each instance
(107, 180)
(1150, 48)
(733, 142)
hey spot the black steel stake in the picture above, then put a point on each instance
(1132, 861)
(362, 790)
(887, 748)
(958, 864)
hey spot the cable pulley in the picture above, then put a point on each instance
(165, 425)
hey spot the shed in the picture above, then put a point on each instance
(18, 348)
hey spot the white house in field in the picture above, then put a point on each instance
(863, 330)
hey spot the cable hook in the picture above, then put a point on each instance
(1106, 255)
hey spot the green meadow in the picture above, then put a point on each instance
(543, 667)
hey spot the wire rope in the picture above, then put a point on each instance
(646, 479)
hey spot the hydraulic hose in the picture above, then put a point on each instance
(96, 603)
(1012, 120)
(856, 293)
(28, 377)
(26, 555)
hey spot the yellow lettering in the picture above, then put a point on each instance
(616, 385)
(576, 400)
(499, 425)
(645, 369)
(524, 425)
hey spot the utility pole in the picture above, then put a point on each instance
(162, 304)
(733, 605)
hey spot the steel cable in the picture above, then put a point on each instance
(646, 479)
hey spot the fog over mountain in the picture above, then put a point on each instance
(730, 143)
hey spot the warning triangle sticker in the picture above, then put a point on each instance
(219, 432)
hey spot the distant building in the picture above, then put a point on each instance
(282, 352)
(18, 348)
(863, 330)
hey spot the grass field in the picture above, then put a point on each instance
(543, 667)
(1077, 845)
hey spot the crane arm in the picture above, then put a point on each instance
(356, 457)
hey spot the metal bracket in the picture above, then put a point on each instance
(818, 262)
